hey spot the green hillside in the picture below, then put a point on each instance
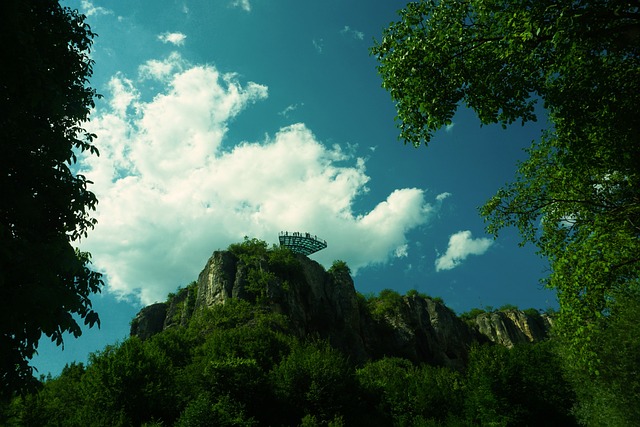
(244, 363)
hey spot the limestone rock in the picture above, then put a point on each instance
(424, 330)
(325, 304)
(180, 308)
(511, 327)
(149, 321)
(217, 279)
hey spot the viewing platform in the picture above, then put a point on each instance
(301, 243)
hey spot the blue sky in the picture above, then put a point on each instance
(231, 118)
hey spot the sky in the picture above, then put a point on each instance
(232, 118)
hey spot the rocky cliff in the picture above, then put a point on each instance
(510, 327)
(326, 304)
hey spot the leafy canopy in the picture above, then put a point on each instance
(499, 58)
(243, 362)
(577, 196)
(45, 205)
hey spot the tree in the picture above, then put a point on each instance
(612, 398)
(522, 386)
(60, 401)
(130, 384)
(577, 197)
(45, 203)
(499, 57)
(225, 412)
(315, 380)
(399, 393)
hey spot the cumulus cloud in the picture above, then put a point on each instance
(442, 196)
(89, 9)
(461, 245)
(171, 190)
(402, 251)
(173, 38)
(358, 35)
(243, 4)
(162, 69)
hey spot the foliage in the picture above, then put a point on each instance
(202, 412)
(576, 197)
(472, 314)
(182, 303)
(234, 312)
(361, 299)
(45, 203)
(581, 214)
(133, 381)
(612, 397)
(260, 341)
(413, 293)
(249, 249)
(314, 379)
(240, 363)
(339, 267)
(523, 386)
(241, 379)
(498, 58)
(387, 302)
(268, 269)
(400, 393)
(56, 403)
(283, 262)
(259, 282)
(532, 312)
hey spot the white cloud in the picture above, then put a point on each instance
(449, 128)
(402, 251)
(318, 44)
(461, 245)
(359, 35)
(162, 69)
(89, 9)
(243, 4)
(440, 197)
(289, 109)
(170, 194)
(173, 38)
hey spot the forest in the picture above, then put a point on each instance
(242, 363)
(246, 361)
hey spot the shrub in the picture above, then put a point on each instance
(314, 380)
(472, 314)
(388, 302)
(339, 267)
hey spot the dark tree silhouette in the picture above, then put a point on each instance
(44, 203)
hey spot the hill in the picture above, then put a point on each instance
(325, 304)
(268, 337)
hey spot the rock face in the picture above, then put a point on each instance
(512, 327)
(318, 302)
(326, 304)
(425, 330)
(149, 321)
